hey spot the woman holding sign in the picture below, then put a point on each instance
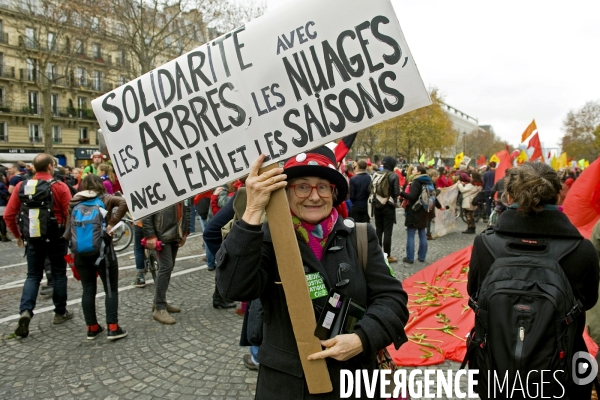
(247, 269)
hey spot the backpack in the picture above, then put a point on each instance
(478, 199)
(525, 314)
(380, 190)
(87, 229)
(426, 199)
(36, 218)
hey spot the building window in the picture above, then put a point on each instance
(95, 24)
(2, 97)
(79, 46)
(122, 80)
(82, 107)
(96, 50)
(30, 41)
(81, 76)
(51, 71)
(54, 103)
(97, 80)
(35, 133)
(51, 41)
(3, 131)
(33, 102)
(56, 134)
(83, 135)
(31, 69)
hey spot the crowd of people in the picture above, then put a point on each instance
(76, 207)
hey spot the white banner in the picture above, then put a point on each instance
(445, 220)
(298, 77)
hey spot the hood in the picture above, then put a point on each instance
(82, 196)
(423, 178)
(389, 163)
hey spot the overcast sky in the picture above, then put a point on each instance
(506, 62)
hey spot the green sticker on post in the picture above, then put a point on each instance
(316, 286)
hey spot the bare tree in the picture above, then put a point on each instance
(147, 33)
(46, 29)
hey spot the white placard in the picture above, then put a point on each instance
(445, 220)
(298, 77)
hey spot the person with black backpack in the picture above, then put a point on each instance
(92, 215)
(36, 214)
(531, 279)
(384, 197)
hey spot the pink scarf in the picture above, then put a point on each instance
(316, 235)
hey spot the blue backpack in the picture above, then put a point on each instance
(426, 199)
(87, 229)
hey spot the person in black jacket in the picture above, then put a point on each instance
(385, 217)
(360, 185)
(171, 226)
(247, 269)
(531, 191)
(416, 220)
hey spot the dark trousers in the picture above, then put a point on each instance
(2, 226)
(384, 224)
(360, 214)
(138, 249)
(87, 271)
(166, 263)
(36, 253)
(488, 205)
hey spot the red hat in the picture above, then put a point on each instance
(319, 162)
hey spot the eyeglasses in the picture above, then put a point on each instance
(303, 190)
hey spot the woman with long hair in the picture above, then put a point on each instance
(469, 190)
(105, 172)
(108, 268)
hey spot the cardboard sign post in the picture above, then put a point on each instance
(293, 280)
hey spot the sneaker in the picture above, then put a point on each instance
(139, 281)
(91, 335)
(23, 328)
(163, 317)
(249, 363)
(59, 319)
(223, 304)
(407, 261)
(429, 237)
(392, 259)
(47, 291)
(211, 268)
(114, 334)
(171, 309)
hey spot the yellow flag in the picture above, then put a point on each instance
(458, 159)
(586, 164)
(522, 157)
(562, 161)
(530, 129)
(422, 159)
(554, 162)
(495, 159)
(431, 162)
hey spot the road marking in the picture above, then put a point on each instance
(118, 254)
(19, 283)
(100, 295)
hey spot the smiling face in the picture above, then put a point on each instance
(312, 209)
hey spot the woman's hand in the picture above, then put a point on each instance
(341, 348)
(259, 189)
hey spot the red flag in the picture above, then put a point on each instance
(503, 165)
(549, 155)
(481, 160)
(537, 148)
(344, 145)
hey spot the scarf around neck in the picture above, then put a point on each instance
(316, 235)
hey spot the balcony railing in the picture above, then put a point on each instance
(84, 140)
(57, 140)
(3, 137)
(6, 71)
(36, 139)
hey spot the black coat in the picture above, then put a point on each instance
(580, 266)
(360, 191)
(416, 219)
(247, 269)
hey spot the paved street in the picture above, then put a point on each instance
(198, 357)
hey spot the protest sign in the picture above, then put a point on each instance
(298, 77)
(445, 220)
